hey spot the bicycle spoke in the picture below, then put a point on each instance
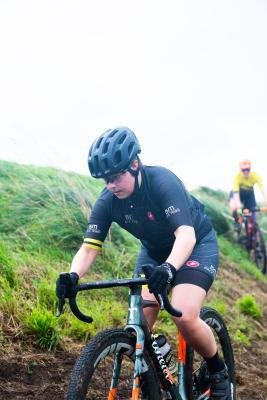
(103, 375)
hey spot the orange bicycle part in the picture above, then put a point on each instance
(112, 394)
(136, 389)
(181, 349)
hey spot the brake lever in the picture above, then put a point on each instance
(160, 301)
(166, 305)
(60, 306)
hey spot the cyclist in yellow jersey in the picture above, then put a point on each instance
(242, 195)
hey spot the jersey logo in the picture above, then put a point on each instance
(171, 210)
(129, 219)
(192, 263)
(93, 228)
(150, 216)
(211, 270)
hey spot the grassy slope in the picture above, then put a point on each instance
(43, 217)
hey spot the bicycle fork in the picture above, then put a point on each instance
(115, 376)
(138, 367)
(134, 323)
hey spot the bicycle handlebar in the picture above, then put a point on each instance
(257, 209)
(135, 282)
(247, 212)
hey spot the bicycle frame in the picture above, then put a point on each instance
(136, 323)
(250, 227)
(249, 217)
(250, 235)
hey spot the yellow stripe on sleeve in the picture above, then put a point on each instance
(93, 243)
(91, 246)
(88, 240)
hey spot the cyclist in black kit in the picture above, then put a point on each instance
(177, 239)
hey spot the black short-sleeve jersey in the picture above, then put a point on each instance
(152, 215)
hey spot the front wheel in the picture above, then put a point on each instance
(111, 352)
(196, 371)
(259, 252)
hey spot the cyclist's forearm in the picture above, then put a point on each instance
(237, 200)
(83, 260)
(183, 246)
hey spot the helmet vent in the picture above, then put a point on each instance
(105, 164)
(130, 148)
(117, 158)
(111, 134)
(96, 163)
(121, 140)
(98, 143)
(105, 148)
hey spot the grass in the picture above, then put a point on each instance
(248, 306)
(51, 209)
(239, 256)
(44, 324)
(216, 207)
(7, 265)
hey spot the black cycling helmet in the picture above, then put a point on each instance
(113, 152)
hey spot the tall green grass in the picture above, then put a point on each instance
(240, 256)
(44, 214)
(216, 207)
(43, 218)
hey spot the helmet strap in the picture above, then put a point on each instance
(135, 173)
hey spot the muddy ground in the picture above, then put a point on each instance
(45, 377)
(26, 373)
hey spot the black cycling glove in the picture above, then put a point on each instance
(159, 277)
(67, 287)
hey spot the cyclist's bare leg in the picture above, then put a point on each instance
(149, 312)
(196, 332)
(233, 205)
(189, 298)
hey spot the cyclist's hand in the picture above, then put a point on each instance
(68, 287)
(159, 277)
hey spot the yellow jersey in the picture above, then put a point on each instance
(243, 183)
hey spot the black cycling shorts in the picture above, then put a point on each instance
(247, 198)
(200, 269)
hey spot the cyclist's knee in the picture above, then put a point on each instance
(189, 318)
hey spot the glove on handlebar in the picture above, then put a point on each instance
(159, 277)
(67, 288)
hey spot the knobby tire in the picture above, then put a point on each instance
(91, 376)
(259, 252)
(196, 375)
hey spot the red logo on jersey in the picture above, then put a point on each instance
(192, 263)
(150, 216)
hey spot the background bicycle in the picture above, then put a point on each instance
(128, 363)
(251, 237)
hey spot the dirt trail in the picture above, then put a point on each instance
(27, 373)
(43, 377)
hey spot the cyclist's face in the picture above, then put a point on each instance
(122, 184)
(246, 172)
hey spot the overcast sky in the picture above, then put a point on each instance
(189, 77)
